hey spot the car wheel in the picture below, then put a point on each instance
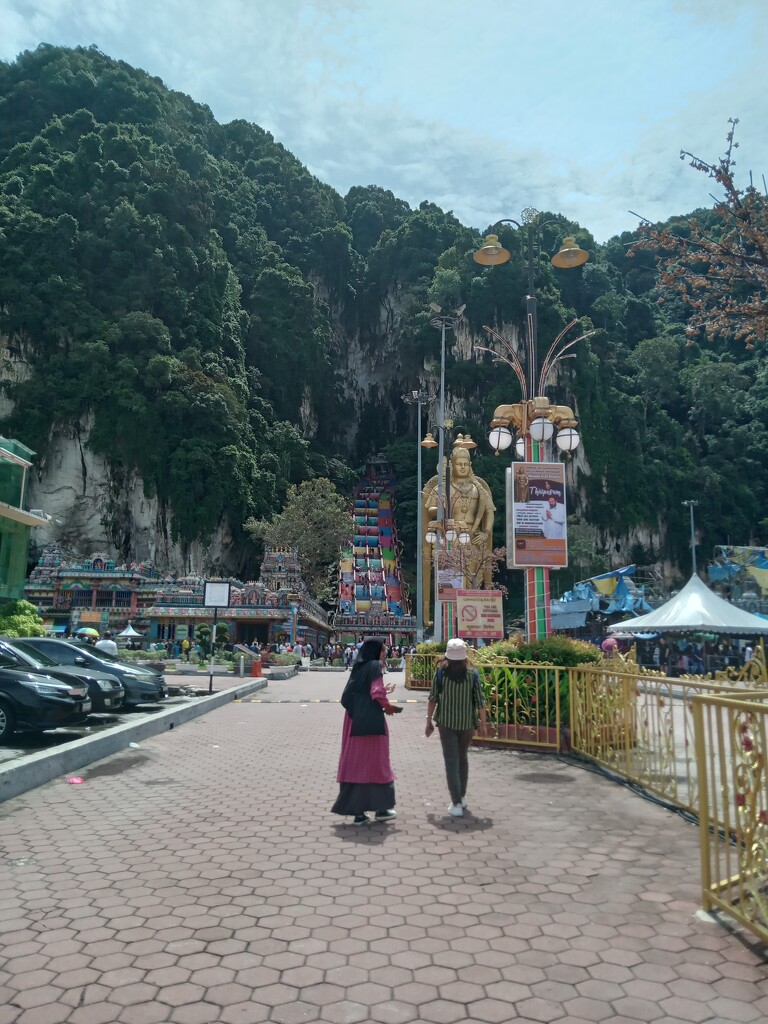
(7, 722)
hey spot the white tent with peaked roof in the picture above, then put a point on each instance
(130, 632)
(696, 609)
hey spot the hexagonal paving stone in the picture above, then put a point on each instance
(130, 995)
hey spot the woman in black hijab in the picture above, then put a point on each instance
(365, 776)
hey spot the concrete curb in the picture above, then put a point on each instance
(282, 671)
(37, 769)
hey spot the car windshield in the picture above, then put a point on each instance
(104, 655)
(32, 653)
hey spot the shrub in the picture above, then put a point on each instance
(552, 650)
(525, 696)
(423, 662)
(518, 697)
(284, 659)
(126, 655)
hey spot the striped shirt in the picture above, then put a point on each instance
(457, 704)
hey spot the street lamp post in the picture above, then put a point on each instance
(534, 419)
(418, 398)
(444, 530)
(295, 605)
(692, 503)
(443, 321)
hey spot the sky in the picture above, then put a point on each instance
(484, 108)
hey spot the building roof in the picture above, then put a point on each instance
(696, 609)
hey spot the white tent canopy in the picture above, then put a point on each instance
(129, 631)
(696, 609)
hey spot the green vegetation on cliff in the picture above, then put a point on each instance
(185, 297)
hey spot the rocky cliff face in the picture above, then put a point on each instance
(94, 509)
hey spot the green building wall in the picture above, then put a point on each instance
(14, 547)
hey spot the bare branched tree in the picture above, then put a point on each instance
(474, 564)
(720, 272)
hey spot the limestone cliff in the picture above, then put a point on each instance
(94, 508)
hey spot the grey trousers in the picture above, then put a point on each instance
(455, 744)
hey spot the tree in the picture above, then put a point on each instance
(20, 618)
(655, 362)
(584, 554)
(718, 268)
(315, 520)
(474, 563)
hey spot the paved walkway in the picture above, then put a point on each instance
(201, 879)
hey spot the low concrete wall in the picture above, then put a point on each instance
(36, 769)
(282, 671)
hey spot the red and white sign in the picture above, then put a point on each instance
(479, 613)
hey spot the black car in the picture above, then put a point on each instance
(106, 691)
(31, 702)
(142, 685)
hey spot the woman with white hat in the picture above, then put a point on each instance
(456, 703)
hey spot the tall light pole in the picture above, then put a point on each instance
(534, 418)
(692, 503)
(443, 321)
(418, 398)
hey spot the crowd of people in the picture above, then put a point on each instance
(679, 656)
(345, 654)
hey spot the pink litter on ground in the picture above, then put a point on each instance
(75, 780)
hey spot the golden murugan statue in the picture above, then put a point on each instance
(471, 504)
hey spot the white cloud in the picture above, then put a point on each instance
(481, 109)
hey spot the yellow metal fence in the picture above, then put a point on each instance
(639, 726)
(731, 748)
(698, 744)
(523, 702)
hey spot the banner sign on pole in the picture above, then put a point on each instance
(449, 581)
(216, 595)
(536, 516)
(479, 614)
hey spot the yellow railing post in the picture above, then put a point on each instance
(700, 747)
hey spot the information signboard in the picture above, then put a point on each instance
(479, 614)
(536, 516)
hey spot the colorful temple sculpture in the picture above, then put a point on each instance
(97, 592)
(371, 599)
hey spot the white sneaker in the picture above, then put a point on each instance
(456, 811)
(463, 801)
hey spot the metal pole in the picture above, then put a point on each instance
(213, 647)
(419, 527)
(692, 503)
(450, 612)
(437, 632)
(536, 579)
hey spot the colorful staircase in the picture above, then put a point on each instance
(371, 596)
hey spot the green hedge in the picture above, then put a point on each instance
(284, 659)
(552, 650)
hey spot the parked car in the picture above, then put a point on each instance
(32, 702)
(106, 691)
(142, 685)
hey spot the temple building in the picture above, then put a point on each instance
(96, 592)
